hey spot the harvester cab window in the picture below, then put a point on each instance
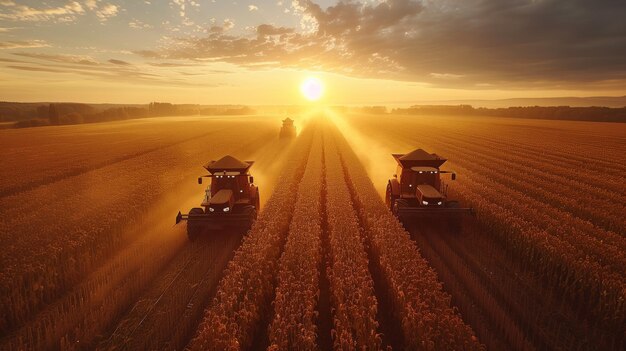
(224, 181)
(424, 175)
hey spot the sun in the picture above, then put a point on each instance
(312, 88)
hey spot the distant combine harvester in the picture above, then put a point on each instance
(288, 130)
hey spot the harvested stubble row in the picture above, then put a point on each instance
(244, 293)
(351, 287)
(71, 237)
(419, 302)
(295, 306)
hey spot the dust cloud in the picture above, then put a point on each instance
(375, 156)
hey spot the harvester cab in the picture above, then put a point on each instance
(230, 202)
(417, 191)
(288, 130)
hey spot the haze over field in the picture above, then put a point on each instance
(367, 52)
(331, 175)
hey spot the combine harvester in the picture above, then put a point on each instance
(416, 192)
(230, 202)
(288, 130)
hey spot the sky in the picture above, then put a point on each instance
(257, 52)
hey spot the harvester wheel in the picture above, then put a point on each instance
(398, 204)
(251, 214)
(257, 205)
(194, 229)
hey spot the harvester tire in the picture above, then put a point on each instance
(194, 229)
(251, 214)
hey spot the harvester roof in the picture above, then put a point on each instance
(419, 158)
(228, 163)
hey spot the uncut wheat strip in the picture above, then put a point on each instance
(295, 314)
(243, 294)
(424, 309)
(351, 286)
(64, 249)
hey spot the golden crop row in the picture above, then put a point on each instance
(419, 302)
(351, 285)
(295, 306)
(244, 293)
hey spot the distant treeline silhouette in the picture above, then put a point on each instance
(596, 114)
(35, 115)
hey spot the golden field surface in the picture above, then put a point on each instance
(91, 258)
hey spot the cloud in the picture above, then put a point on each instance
(23, 44)
(181, 6)
(17, 12)
(107, 11)
(137, 24)
(91, 4)
(446, 75)
(452, 43)
(112, 70)
(119, 62)
(36, 69)
(64, 13)
(61, 58)
(252, 8)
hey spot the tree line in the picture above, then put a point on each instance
(35, 115)
(594, 113)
